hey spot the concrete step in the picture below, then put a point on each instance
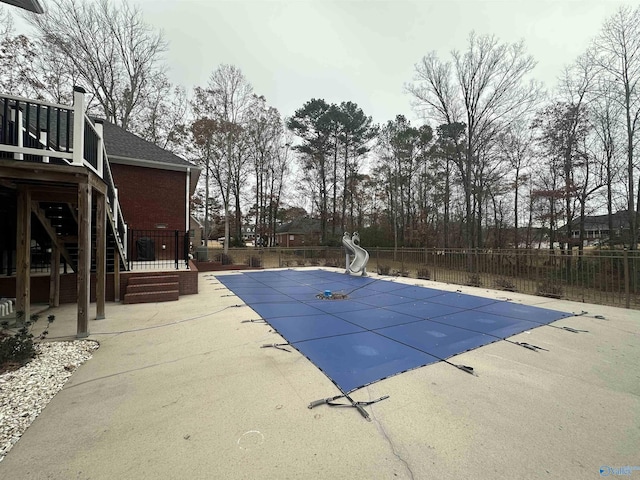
(152, 297)
(153, 279)
(153, 287)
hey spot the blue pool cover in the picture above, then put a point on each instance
(383, 327)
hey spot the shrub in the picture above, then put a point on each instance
(505, 284)
(224, 259)
(384, 269)
(424, 273)
(474, 280)
(332, 262)
(254, 261)
(548, 289)
(17, 346)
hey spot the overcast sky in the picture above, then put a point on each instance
(362, 51)
(358, 50)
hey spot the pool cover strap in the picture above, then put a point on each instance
(535, 348)
(331, 401)
(279, 346)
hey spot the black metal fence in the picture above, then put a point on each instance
(607, 277)
(157, 249)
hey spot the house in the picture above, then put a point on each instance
(154, 185)
(154, 189)
(65, 203)
(596, 227)
(299, 233)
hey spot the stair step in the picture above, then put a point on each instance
(152, 297)
(154, 279)
(153, 287)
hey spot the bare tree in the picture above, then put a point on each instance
(17, 57)
(485, 88)
(618, 54)
(163, 118)
(266, 134)
(226, 104)
(607, 118)
(115, 53)
(516, 146)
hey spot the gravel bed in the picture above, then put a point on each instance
(25, 392)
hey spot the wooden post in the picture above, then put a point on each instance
(84, 258)
(23, 253)
(101, 255)
(116, 275)
(54, 277)
(99, 126)
(78, 125)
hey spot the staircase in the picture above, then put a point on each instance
(59, 221)
(152, 289)
(46, 134)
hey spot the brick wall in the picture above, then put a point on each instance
(149, 196)
(298, 240)
(68, 288)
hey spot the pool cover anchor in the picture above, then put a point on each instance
(464, 368)
(530, 346)
(331, 401)
(279, 346)
(572, 330)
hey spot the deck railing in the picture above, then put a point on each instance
(43, 132)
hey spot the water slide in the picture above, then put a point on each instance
(360, 255)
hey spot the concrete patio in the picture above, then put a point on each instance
(183, 390)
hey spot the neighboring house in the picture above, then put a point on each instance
(596, 227)
(298, 233)
(248, 233)
(196, 232)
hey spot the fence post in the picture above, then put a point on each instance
(627, 302)
(129, 247)
(175, 247)
(186, 248)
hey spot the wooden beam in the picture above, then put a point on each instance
(116, 275)
(84, 258)
(97, 183)
(55, 194)
(23, 253)
(54, 277)
(45, 173)
(44, 221)
(72, 209)
(7, 184)
(101, 255)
